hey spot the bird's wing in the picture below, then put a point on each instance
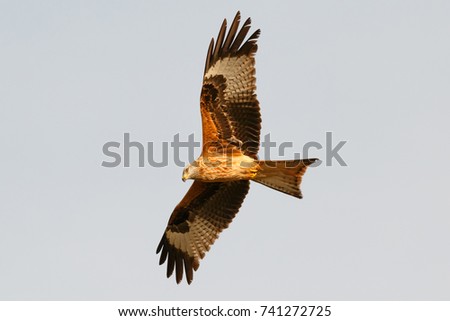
(228, 104)
(196, 222)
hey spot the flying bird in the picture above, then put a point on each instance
(231, 125)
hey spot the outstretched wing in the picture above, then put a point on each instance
(196, 222)
(228, 104)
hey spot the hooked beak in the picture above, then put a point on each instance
(184, 178)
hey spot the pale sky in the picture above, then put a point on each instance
(75, 75)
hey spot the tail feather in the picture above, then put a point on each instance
(283, 176)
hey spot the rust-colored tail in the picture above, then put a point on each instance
(284, 176)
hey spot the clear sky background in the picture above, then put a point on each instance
(77, 74)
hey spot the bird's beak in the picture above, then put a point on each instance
(184, 178)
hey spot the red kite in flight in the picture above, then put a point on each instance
(231, 123)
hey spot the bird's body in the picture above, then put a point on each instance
(222, 168)
(231, 124)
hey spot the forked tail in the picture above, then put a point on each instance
(284, 176)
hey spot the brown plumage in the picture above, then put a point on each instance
(231, 125)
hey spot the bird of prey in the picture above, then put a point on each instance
(231, 124)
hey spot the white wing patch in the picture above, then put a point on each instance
(181, 241)
(239, 73)
(197, 241)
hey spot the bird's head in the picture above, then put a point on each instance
(190, 172)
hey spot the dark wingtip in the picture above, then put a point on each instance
(160, 245)
(232, 43)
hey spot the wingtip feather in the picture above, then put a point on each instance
(230, 43)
